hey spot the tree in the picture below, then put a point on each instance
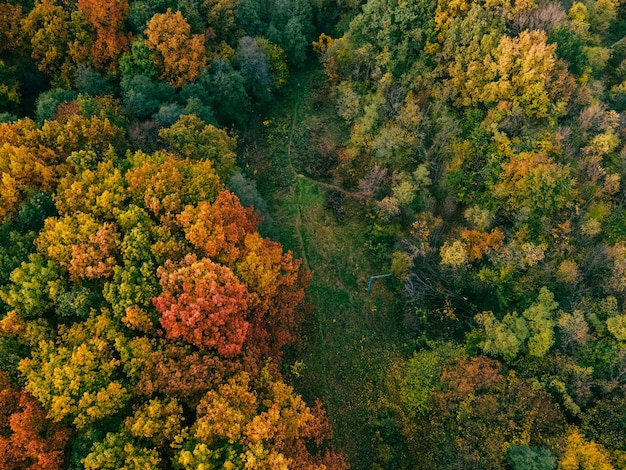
(49, 101)
(180, 371)
(138, 61)
(422, 375)
(524, 74)
(168, 114)
(164, 185)
(254, 425)
(61, 235)
(59, 39)
(248, 17)
(194, 139)
(177, 54)
(22, 168)
(230, 100)
(605, 423)
(481, 407)
(583, 454)
(107, 19)
(505, 337)
(277, 61)
(569, 46)
(19, 233)
(246, 191)
(537, 183)
(9, 86)
(294, 41)
(34, 287)
(28, 439)
(533, 329)
(11, 37)
(77, 378)
(95, 258)
(540, 316)
(100, 191)
(526, 458)
(204, 304)
(221, 19)
(255, 68)
(78, 131)
(226, 232)
(117, 451)
(143, 95)
(88, 81)
(159, 422)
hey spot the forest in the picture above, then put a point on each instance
(312, 234)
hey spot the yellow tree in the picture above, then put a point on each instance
(244, 424)
(192, 138)
(523, 73)
(177, 54)
(584, 455)
(59, 39)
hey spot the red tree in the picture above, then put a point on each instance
(28, 440)
(204, 304)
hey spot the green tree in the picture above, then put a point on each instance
(522, 457)
(506, 337)
(138, 61)
(34, 287)
(229, 97)
(194, 139)
(143, 95)
(9, 86)
(254, 67)
(540, 316)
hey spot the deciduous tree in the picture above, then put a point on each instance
(107, 19)
(204, 304)
(28, 439)
(177, 54)
(195, 139)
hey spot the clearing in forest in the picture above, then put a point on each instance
(352, 339)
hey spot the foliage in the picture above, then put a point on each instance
(192, 138)
(177, 54)
(473, 148)
(135, 290)
(28, 439)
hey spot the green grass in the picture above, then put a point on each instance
(353, 339)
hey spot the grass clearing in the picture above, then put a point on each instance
(353, 338)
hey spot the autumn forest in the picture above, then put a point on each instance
(312, 234)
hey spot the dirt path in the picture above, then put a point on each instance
(296, 187)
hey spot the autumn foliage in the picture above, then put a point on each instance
(107, 19)
(204, 304)
(471, 150)
(144, 281)
(28, 439)
(178, 54)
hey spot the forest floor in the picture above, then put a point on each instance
(353, 339)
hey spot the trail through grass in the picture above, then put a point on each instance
(353, 338)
